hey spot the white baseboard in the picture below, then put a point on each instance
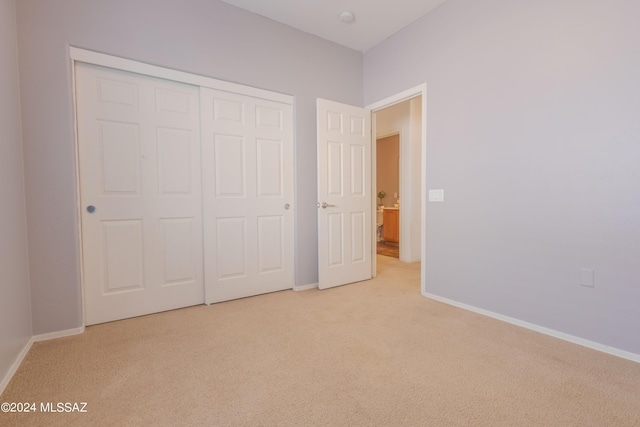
(305, 287)
(58, 334)
(16, 364)
(551, 332)
(25, 350)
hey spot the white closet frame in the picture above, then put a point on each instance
(91, 57)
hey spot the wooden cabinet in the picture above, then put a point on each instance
(390, 229)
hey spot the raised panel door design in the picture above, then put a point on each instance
(231, 247)
(357, 171)
(229, 111)
(120, 155)
(270, 244)
(344, 194)
(334, 122)
(357, 126)
(174, 161)
(269, 117)
(229, 166)
(269, 168)
(247, 154)
(358, 237)
(123, 252)
(139, 171)
(117, 92)
(335, 168)
(178, 252)
(336, 239)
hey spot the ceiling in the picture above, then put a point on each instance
(374, 21)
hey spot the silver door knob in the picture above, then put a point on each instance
(325, 205)
(286, 207)
(91, 209)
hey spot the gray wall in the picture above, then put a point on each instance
(534, 133)
(205, 37)
(15, 307)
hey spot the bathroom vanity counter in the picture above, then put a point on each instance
(390, 231)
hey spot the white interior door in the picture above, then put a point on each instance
(140, 193)
(247, 149)
(344, 194)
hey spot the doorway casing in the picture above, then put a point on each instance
(420, 90)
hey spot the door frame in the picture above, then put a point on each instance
(91, 57)
(420, 90)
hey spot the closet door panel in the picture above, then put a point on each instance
(247, 160)
(140, 193)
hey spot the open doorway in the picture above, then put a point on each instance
(387, 170)
(403, 116)
(398, 171)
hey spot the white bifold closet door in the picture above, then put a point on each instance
(247, 175)
(140, 193)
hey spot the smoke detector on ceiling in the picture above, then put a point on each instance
(347, 17)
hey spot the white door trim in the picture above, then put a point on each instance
(400, 97)
(110, 61)
(420, 90)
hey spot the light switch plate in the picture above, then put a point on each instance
(436, 195)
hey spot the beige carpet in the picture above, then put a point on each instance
(369, 354)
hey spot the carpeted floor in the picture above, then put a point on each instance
(373, 353)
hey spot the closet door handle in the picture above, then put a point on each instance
(91, 209)
(325, 205)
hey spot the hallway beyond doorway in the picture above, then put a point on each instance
(388, 249)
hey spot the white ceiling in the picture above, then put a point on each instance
(375, 20)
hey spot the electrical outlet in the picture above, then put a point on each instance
(587, 278)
